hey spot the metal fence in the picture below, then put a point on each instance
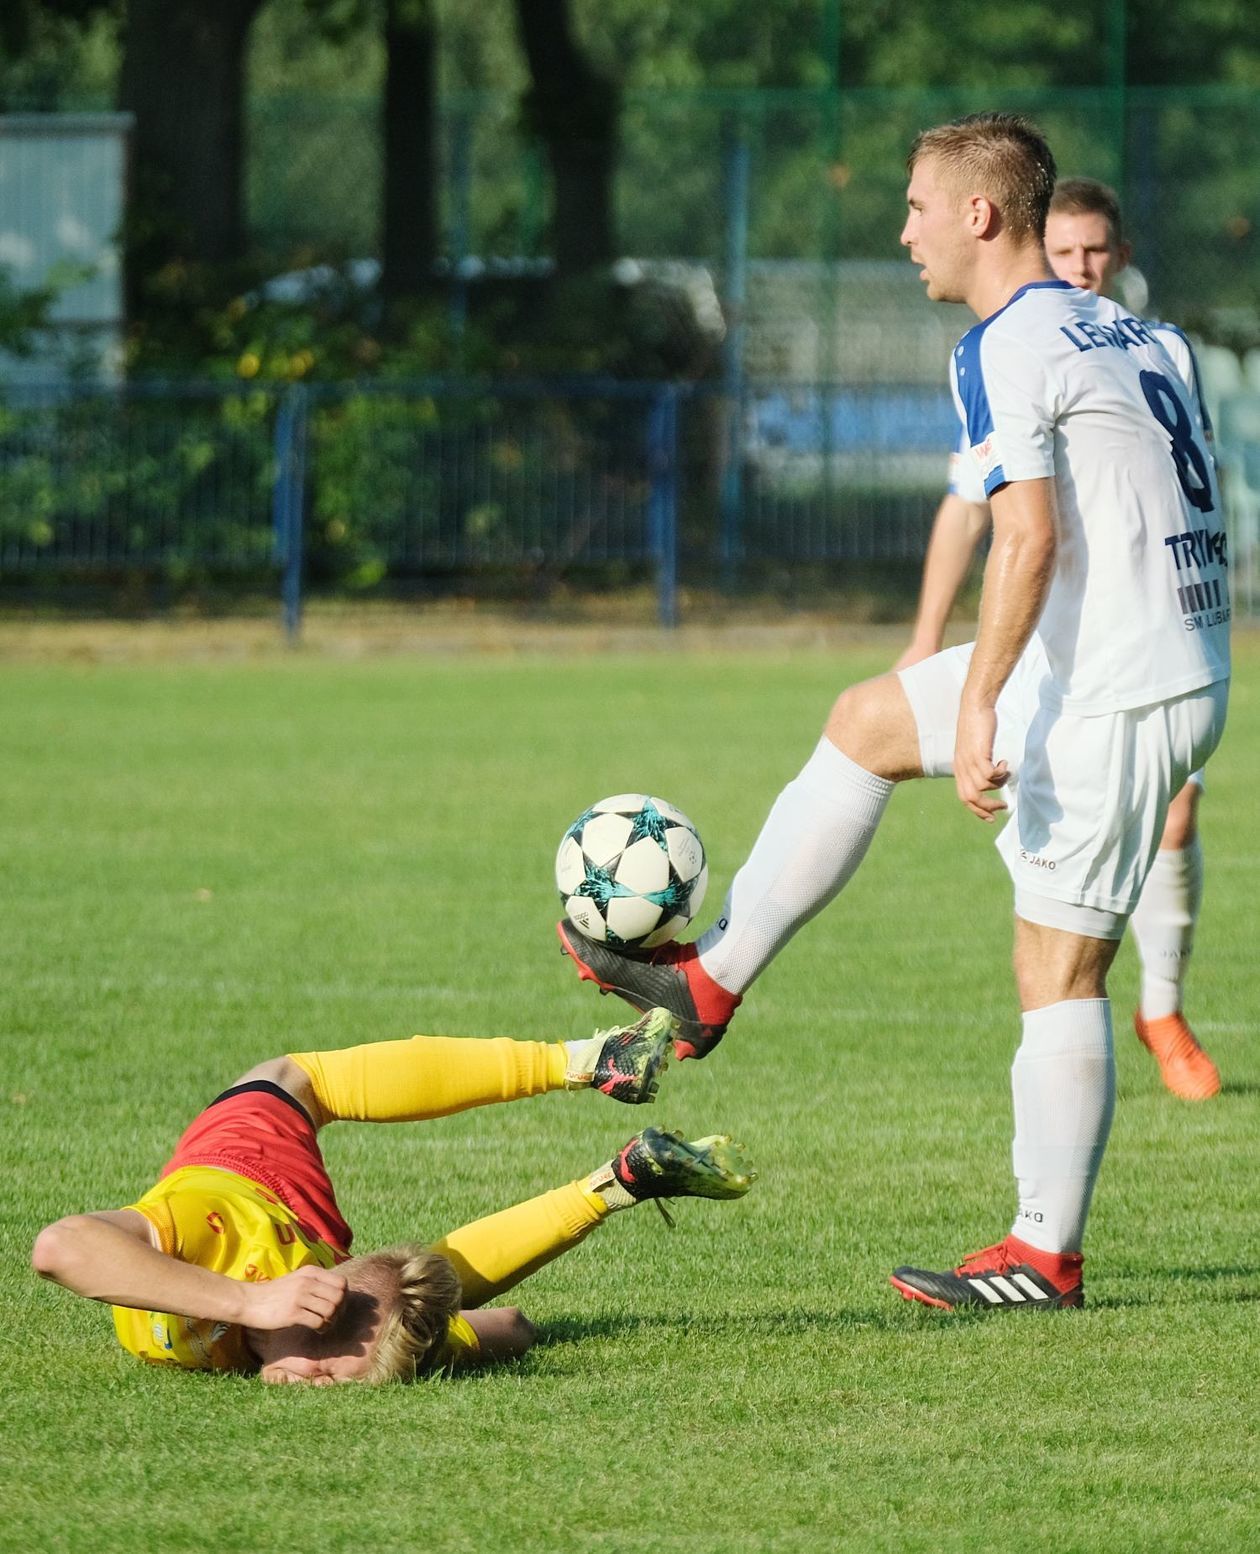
(355, 485)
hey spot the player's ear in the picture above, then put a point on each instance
(981, 215)
(1124, 254)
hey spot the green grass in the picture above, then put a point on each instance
(204, 865)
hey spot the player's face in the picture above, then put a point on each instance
(936, 233)
(344, 1353)
(1082, 250)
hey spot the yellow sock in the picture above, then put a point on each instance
(493, 1254)
(429, 1076)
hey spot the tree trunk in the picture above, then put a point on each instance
(573, 111)
(182, 75)
(409, 207)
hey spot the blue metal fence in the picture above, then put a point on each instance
(349, 484)
(352, 482)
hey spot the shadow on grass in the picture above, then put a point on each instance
(726, 1324)
(1157, 1283)
(898, 1316)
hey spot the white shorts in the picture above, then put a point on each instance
(1088, 796)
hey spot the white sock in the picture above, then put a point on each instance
(1163, 925)
(813, 839)
(582, 1056)
(1063, 1083)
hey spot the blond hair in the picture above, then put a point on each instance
(1089, 197)
(1002, 156)
(419, 1291)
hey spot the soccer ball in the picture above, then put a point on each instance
(631, 871)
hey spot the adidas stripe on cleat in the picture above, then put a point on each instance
(1000, 1278)
(670, 977)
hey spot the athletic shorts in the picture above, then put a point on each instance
(261, 1132)
(1088, 796)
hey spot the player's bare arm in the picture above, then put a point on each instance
(107, 1256)
(957, 530)
(1016, 579)
(503, 1333)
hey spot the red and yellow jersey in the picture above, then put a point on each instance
(230, 1225)
(218, 1220)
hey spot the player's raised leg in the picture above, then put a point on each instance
(1163, 929)
(813, 840)
(432, 1076)
(493, 1254)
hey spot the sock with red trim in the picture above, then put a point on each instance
(1063, 1269)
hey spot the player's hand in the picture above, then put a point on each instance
(976, 774)
(309, 1297)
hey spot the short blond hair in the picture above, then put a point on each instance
(1089, 197)
(420, 1293)
(1002, 156)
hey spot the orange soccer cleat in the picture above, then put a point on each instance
(1183, 1065)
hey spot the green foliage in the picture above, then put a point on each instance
(172, 487)
(178, 488)
(216, 862)
(440, 484)
(57, 55)
(24, 312)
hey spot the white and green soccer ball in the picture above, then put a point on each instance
(631, 871)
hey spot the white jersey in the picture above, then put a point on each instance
(1065, 384)
(1178, 347)
(964, 477)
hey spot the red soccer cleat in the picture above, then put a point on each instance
(1010, 1276)
(670, 978)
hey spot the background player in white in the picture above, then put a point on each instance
(1107, 541)
(1085, 245)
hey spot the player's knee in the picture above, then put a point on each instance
(872, 724)
(853, 715)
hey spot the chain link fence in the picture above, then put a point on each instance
(785, 176)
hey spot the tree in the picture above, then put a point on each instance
(182, 76)
(572, 108)
(409, 214)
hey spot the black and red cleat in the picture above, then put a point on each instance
(669, 978)
(1011, 1276)
(656, 1164)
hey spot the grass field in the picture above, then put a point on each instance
(209, 863)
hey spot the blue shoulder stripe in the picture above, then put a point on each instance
(977, 411)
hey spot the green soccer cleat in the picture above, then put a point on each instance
(656, 1164)
(626, 1062)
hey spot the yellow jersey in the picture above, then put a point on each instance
(218, 1220)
